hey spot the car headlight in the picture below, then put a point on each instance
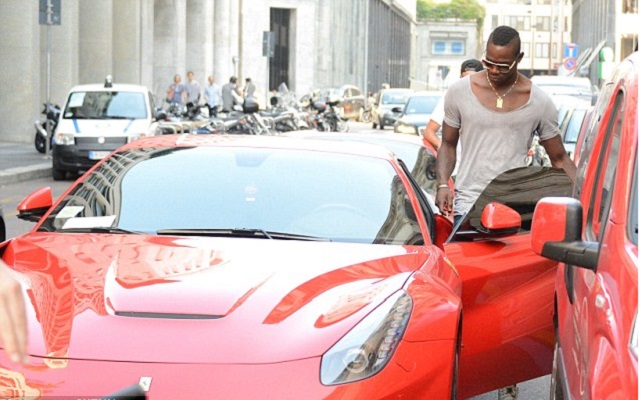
(407, 129)
(64, 139)
(633, 342)
(369, 346)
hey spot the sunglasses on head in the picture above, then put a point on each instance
(502, 68)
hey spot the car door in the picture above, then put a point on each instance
(507, 329)
(597, 309)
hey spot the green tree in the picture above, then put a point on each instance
(462, 9)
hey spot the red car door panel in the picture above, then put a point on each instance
(507, 297)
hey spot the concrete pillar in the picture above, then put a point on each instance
(222, 51)
(20, 65)
(127, 41)
(65, 52)
(146, 52)
(95, 45)
(200, 39)
(169, 43)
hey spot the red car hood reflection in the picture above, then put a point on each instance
(185, 299)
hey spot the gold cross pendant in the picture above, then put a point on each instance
(499, 102)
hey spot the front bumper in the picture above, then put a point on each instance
(420, 370)
(84, 153)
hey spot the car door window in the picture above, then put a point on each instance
(594, 128)
(602, 189)
(520, 189)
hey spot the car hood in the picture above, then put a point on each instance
(186, 299)
(415, 119)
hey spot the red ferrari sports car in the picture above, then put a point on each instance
(244, 267)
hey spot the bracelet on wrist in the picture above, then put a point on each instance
(443, 186)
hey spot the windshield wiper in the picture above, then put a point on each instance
(100, 229)
(240, 232)
(117, 117)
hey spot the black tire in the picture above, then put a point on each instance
(40, 143)
(366, 116)
(58, 174)
(555, 389)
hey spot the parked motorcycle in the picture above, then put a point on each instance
(52, 114)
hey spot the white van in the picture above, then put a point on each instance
(97, 119)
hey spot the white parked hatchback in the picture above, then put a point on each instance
(97, 119)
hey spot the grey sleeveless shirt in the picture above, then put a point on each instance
(493, 142)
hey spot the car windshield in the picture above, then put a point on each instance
(106, 105)
(394, 97)
(330, 196)
(421, 104)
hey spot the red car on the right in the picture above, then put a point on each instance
(595, 237)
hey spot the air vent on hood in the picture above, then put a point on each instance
(165, 315)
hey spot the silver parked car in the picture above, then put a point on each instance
(386, 100)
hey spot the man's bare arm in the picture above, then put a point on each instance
(445, 164)
(559, 157)
(430, 134)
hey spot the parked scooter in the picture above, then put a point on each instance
(52, 114)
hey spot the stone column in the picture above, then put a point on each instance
(127, 41)
(20, 65)
(222, 49)
(200, 39)
(95, 46)
(169, 43)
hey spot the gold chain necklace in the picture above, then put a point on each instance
(499, 100)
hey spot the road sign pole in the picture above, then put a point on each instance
(48, 125)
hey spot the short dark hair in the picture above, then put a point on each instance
(505, 36)
(471, 65)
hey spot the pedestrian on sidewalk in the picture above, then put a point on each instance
(213, 96)
(177, 91)
(193, 89)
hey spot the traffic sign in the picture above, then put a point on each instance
(570, 63)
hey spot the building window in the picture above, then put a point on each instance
(447, 47)
(630, 6)
(542, 50)
(542, 24)
(518, 22)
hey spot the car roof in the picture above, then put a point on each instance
(116, 87)
(253, 141)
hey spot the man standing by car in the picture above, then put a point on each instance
(494, 114)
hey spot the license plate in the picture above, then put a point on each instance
(98, 155)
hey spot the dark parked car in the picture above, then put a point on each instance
(417, 112)
(386, 100)
(351, 101)
(3, 227)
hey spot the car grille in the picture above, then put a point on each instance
(117, 140)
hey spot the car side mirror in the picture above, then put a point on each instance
(35, 205)
(397, 109)
(499, 220)
(556, 233)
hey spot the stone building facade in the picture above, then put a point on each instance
(319, 43)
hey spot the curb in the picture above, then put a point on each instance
(18, 174)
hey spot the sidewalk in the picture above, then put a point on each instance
(20, 162)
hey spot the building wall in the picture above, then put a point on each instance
(333, 42)
(436, 70)
(544, 27)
